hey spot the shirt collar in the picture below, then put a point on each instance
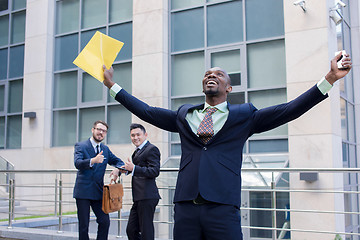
(93, 143)
(222, 107)
(142, 145)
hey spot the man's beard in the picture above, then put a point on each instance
(211, 92)
(96, 138)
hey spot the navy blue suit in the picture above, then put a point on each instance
(144, 192)
(89, 184)
(213, 169)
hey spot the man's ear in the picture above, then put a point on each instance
(229, 89)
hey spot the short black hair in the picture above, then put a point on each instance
(102, 122)
(137, 125)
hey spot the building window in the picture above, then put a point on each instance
(78, 98)
(241, 36)
(12, 41)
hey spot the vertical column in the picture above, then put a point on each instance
(314, 138)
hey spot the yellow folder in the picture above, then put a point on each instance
(100, 50)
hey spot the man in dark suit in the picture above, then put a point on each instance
(144, 167)
(91, 158)
(208, 188)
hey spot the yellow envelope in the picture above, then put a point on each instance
(100, 50)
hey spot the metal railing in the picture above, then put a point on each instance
(48, 193)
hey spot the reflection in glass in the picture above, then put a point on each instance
(13, 132)
(187, 29)
(16, 64)
(187, 70)
(92, 89)
(3, 63)
(119, 120)
(93, 13)
(67, 16)
(66, 50)
(266, 64)
(18, 27)
(123, 77)
(15, 96)
(123, 33)
(222, 30)
(65, 84)
(120, 10)
(4, 5)
(64, 128)
(2, 98)
(4, 29)
(18, 4)
(267, 146)
(87, 118)
(2, 132)
(264, 19)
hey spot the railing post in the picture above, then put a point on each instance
(11, 205)
(60, 204)
(273, 206)
(56, 195)
(119, 216)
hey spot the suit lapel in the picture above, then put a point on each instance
(185, 122)
(90, 149)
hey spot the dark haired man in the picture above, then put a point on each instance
(144, 167)
(91, 158)
(208, 188)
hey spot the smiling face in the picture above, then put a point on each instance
(216, 84)
(137, 136)
(99, 132)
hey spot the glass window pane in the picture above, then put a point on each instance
(264, 18)
(273, 145)
(18, 27)
(67, 16)
(4, 29)
(93, 13)
(87, 118)
(176, 103)
(16, 61)
(86, 36)
(92, 89)
(64, 128)
(4, 5)
(120, 10)
(176, 4)
(123, 33)
(15, 96)
(2, 132)
(65, 84)
(230, 62)
(123, 77)
(236, 98)
(187, 29)
(3, 64)
(119, 120)
(262, 99)
(2, 98)
(187, 74)
(13, 138)
(351, 122)
(263, 70)
(343, 112)
(66, 50)
(222, 30)
(18, 4)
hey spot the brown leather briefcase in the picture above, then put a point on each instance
(112, 197)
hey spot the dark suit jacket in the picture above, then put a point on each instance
(90, 181)
(147, 162)
(213, 169)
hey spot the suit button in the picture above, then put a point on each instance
(205, 148)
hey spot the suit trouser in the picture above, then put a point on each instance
(141, 220)
(210, 221)
(83, 213)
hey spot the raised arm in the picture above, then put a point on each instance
(159, 117)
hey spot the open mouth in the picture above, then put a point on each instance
(211, 83)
